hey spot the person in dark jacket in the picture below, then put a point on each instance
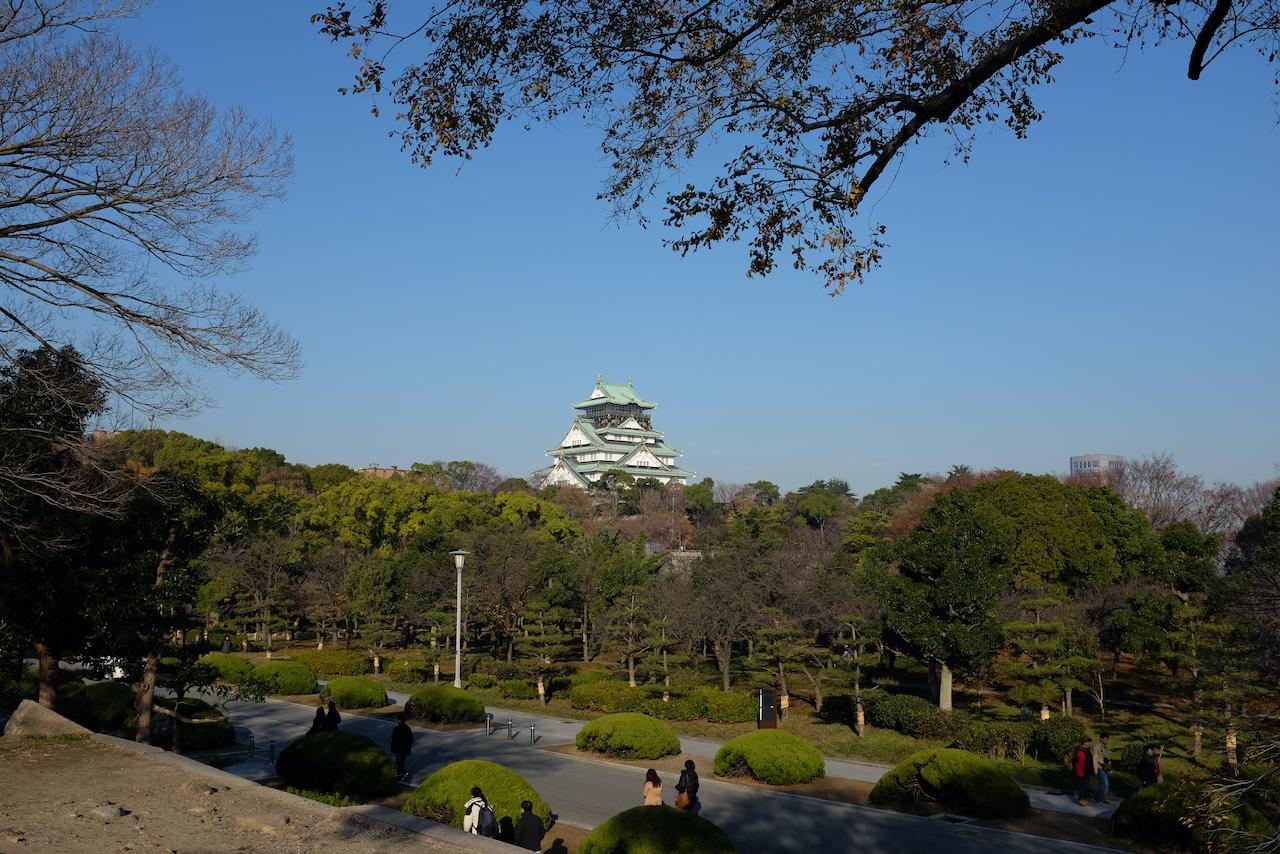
(529, 830)
(332, 719)
(1148, 769)
(689, 785)
(401, 746)
(317, 723)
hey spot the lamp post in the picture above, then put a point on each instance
(458, 557)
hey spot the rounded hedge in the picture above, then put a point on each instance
(517, 689)
(995, 740)
(1156, 816)
(201, 736)
(444, 704)
(656, 830)
(958, 780)
(1053, 739)
(408, 672)
(230, 668)
(731, 707)
(100, 706)
(482, 680)
(334, 662)
(354, 692)
(609, 697)
(442, 796)
(339, 762)
(285, 677)
(629, 735)
(771, 756)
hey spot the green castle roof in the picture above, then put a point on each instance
(618, 393)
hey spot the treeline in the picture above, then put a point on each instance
(1029, 587)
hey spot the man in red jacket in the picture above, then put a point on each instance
(1082, 767)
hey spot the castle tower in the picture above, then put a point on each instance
(612, 430)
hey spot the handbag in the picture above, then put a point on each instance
(682, 801)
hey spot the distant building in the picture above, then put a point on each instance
(381, 472)
(1100, 465)
(612, 431)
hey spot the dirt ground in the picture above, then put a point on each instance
(50, 789)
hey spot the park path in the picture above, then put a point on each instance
(586, 793)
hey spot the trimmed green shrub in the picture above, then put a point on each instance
(731, 707)
(1156, 815)
(409, 672)
(201, 736)
(507, 671)
(168, 664)
(354, 692)
(999, 740)
(770, 755)
(629, 735)
(285, 677)
(444, 704)
(230, 668)
(334, 662)
(339, 762)
(938, 724)
(901, 712)
(1053, 739)
(656, 830)
(1128, 757)
(586, 677)
(609, 697)
(518, 689)
(690, 708)
(442, 796)
(958, 780)
(482, 680)
(100, 706)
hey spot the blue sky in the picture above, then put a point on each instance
(1107, 285)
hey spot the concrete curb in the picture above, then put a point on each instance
(366, 812)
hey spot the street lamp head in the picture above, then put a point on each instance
(458, 557)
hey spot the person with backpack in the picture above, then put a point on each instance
(477, 815)
(1082, 768)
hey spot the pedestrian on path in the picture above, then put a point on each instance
(1148, 769)
(332, 719)
(1102, 768)
(529, 829)
(477, 815)
(652, 789)
(687, 789)
(401, 746)
(318, 723)
(1082, 768)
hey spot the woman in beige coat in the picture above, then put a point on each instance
(652, 789)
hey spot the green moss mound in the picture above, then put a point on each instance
(334, 662)
(230, 668)
(1154, 816)
(442, 796)
(629, 735)
(285, 677)
(656, 830)
(99, 706)
(771, 756)
(339, 762)
(354, 692)
(444, 704)
(956, 779)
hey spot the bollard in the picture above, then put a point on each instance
(509, 736)
(531, 738)
(488, 723)
(271, 756)
(252, 752)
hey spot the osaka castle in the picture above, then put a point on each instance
(611, 431)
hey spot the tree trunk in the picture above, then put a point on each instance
(586, 650)
(1232, 758)
(817, 695)
(631, 669)
(542, 690)
(782, 678)
(724, 657)
(511, 643)
(666, 671)
(1115, 661)
(751, 649)
(146, 695)
(48, 671)
(944, 687)
(1197, 736)
(859, 718)
(435, 672)
(1070, 708)
(377, 663)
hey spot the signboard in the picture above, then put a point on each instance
(767, 716)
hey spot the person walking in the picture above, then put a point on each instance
(1082, 768)
(401, 746)
(332, 718)
(477, 815)
(652, 789)
(687, 789)
(1148, 769)
(317, 723)
(529, 830)
(1102, 769)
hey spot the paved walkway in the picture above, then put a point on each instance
(586, 793)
